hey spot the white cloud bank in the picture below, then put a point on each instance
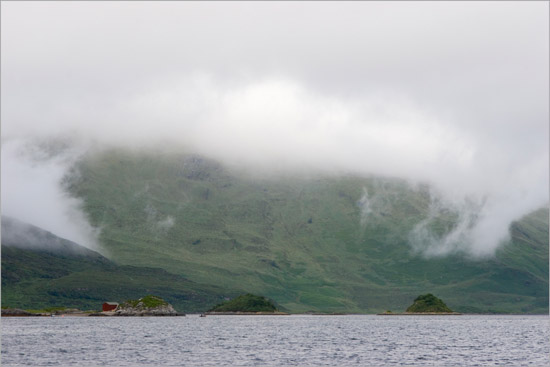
(453, 93)
(32, 191)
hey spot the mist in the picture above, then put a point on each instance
(32, 190)
(452, 94)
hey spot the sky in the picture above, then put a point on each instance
(450, 93)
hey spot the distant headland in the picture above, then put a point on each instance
(246, 304)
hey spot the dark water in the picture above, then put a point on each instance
(277, 341)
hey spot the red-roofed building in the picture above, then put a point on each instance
(110, 306)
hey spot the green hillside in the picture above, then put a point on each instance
(299, 241)
(40, 270)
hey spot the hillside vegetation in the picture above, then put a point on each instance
(302, 241)
(46, 271)
(245, 303)
(428, 303)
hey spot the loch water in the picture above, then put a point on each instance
(297, 340)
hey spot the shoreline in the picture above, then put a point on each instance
(421, 314)
(25, 313)
(240, 313)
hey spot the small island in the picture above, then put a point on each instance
(247, 304)
(425, 304)
(428, 303)
(146, 306)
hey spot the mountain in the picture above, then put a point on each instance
(41, 270)
(302, 240)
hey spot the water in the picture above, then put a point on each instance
(277, 341)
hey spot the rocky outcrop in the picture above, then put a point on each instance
(167, 310)
(146, 306)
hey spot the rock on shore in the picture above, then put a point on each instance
(156, 311)
(146, 306)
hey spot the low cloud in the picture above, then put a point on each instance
(32, 190)
(457, 227)
(158, 224)
(446, 94)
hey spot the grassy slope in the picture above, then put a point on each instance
(298, 241)
(37, 279)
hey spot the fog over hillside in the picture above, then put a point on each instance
(453, 94)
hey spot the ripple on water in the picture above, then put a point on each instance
(284, 341)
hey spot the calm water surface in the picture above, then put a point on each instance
(277, 341)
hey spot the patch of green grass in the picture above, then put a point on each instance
(148, 301)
